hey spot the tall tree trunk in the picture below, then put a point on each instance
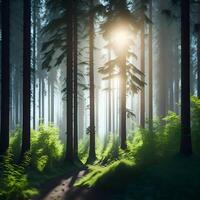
(75, 81)
(34, 62)
(26, 76)
(150, 71)
(43, 96)
(122, 102)
(109, 97)
(69, 70)
(161, 81)
(5, 75)
(198, 60)
(39, 98)
(49, 100)
(17, 101)
(142, 61)
(92, 154)
(185, 146)
(52, 101)
(114, 109)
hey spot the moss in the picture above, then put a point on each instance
(109, 177)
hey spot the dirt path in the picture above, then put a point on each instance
(63, 189)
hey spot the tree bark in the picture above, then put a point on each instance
(34, 62)
(75, 82)
(198, 61)
(185, 146)
(69, 70)
(5, 77)
(49, 100)
(150, 71)
(26, 76)
(92, 154)
(142, 61)
(52, 101)
(122, 102)
(43, 95)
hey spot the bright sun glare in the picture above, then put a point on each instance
(120, 38)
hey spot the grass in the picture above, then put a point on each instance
(174, 178)
(109, 177)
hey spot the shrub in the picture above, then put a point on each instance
(46, 147)
(13, 180)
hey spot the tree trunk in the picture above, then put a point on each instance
(92, 154)
(114, 108)
(52, 101)
(185, 146)
(198, 61)
(26, 76)
(150, 71)
(75, 82)
(34, 62)
(39, 98)
(109, 97)
(122, 102)
(43, 96)
(69, 70)
(5, 77)
(142, 61)
(49, 100)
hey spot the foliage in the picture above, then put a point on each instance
(13, 180)
(46, 147)
(119, 17)
(144, 149)
(195, 110)
(108, 177)
(83, 150)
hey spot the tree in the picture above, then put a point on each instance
(197, 28)
(119, 24)
(92, 154)
(26, 76)
(142, 67)
(150, 70)
(185, 145)
(69, 70)
(75, 47)
(34, 22)
(5, 78)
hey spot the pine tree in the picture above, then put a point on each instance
(150, 70)
(92, 154)
(186, 145)
(69, 70)
(5, 77)
(26, 76)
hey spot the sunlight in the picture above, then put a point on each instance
(120, 38)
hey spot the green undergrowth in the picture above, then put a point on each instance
(46, 147)
(45, 161)
(145, 149)
(109, 177)
(174, 178)
(14, 183)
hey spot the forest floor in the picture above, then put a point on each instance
(61, 188)
(176, 178)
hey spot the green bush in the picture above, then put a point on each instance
(13, 180)
(46, 146)
(195, 110)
